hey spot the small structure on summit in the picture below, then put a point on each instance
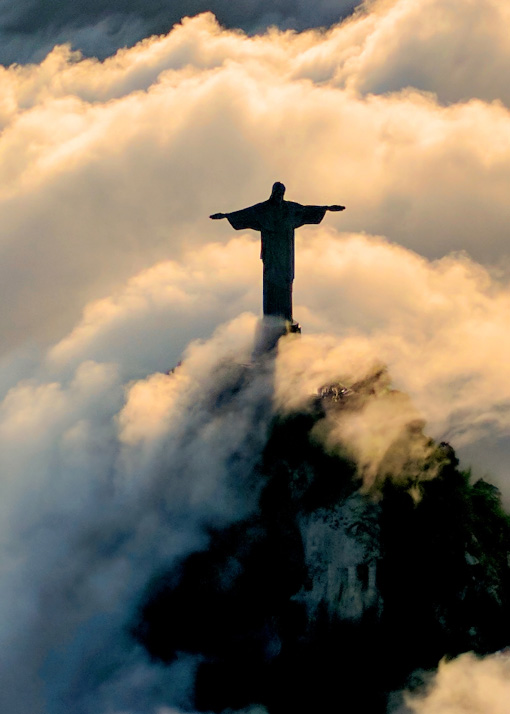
(276, 220)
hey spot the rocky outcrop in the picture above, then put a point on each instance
(342, 553)
(334, 574)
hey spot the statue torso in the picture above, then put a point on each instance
(277, 229)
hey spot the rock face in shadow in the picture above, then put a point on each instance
(331, 595)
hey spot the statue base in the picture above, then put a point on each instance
(269, 331)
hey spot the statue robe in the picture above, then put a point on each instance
(276, 222)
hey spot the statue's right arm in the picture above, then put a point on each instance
(240, 220)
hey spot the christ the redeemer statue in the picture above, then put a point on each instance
(276, 220)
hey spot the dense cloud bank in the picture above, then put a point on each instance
(29, 29)
(108, 168)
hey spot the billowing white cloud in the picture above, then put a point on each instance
(467, 684)
(109, 167)
(457, 51)
(149, 322)
(101, 487)
(439, 327)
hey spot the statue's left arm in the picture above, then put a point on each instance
(311, 214)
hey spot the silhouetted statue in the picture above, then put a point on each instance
(276, 220)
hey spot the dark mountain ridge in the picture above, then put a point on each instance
(334, 593)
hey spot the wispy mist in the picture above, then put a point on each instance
(100, 490)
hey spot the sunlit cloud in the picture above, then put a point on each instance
(466, 684)
(109, 167)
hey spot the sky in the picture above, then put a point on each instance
(110, 271)
(31, 28)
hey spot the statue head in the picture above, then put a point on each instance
(277, 192)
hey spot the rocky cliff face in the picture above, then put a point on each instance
(332, 580)
(342, 553)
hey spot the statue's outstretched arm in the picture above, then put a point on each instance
(217, 216)
(332, 208)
